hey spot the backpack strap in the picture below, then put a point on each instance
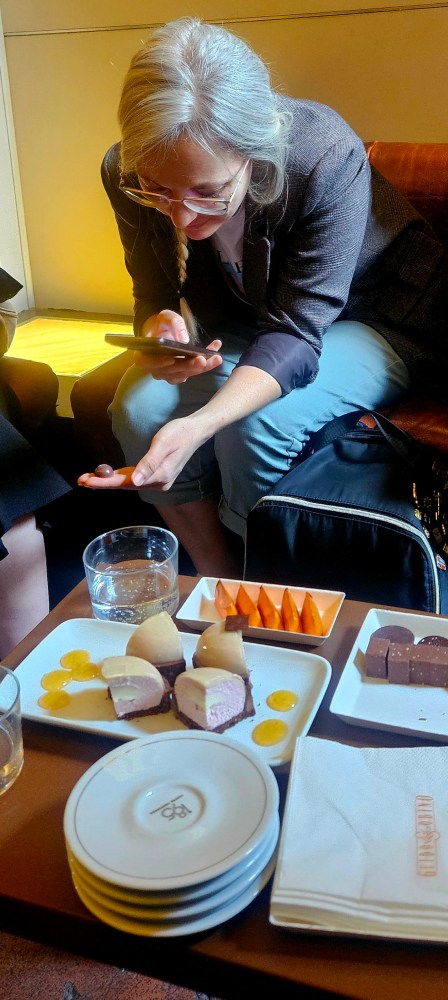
(407, 447)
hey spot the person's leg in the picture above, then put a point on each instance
(23, 582)
(190, 508)
(142, 405)
(198, 526)
(358, 369)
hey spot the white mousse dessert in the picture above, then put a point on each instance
(158, 640)
(209, 698)
(222, 648)
(135, 686)
(218, 647)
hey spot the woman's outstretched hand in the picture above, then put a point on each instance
(113, 479)
(170, 450)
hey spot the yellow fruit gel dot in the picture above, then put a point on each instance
(54, 700)
(74, 658)
(282, 701)
(269, 732)
(85, 672)
(56, 679)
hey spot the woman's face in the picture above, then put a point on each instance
(189, 171)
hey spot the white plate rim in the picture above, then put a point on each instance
(199, 924)
(193, 892)
(190, 907)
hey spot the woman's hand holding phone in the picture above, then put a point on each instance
(170, 325)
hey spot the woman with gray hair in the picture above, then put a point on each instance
(252, 223)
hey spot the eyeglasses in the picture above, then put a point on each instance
(203, 206)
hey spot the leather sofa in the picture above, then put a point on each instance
(420, 171)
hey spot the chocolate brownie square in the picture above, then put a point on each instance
(375, 658)
(438, 667)
(398, 662)
(421, 658)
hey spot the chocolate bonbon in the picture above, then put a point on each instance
(104, 471)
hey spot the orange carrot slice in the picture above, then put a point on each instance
(311, 619)
(246, 606)
(224, 603)
(290, 613)
(270, 615)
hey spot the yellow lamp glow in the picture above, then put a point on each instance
(71, 347)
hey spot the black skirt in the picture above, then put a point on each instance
(27, 481)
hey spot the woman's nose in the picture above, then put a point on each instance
(181, 216)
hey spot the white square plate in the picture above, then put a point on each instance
(200, 610)
(90, 708)
(414, 709)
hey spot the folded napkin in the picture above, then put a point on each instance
(364, 842)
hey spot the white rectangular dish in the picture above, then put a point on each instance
(200, 610)
(413, 709)
(90, 708)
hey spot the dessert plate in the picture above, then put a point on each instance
(90, 708)
(176, 899)
(167, 929)
(184, 807)
(199, 610)
(144, 910)
(413, 709)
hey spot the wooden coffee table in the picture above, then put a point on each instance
(38, 900)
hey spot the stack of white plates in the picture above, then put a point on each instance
(173, 833)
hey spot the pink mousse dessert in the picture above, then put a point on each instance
(209, 698)
(135, 686)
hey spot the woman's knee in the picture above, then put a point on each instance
(254, 453)
(139, 407)
(236, 442)
(273, 435)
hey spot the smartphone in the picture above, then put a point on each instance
(158, 345)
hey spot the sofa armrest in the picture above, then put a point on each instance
(424, 418)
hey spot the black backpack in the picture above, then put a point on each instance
(365, 511)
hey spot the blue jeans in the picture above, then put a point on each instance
(244, 461)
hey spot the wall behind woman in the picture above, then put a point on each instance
(381, 65)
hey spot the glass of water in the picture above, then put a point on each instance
(132, 573)
(11, 745)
